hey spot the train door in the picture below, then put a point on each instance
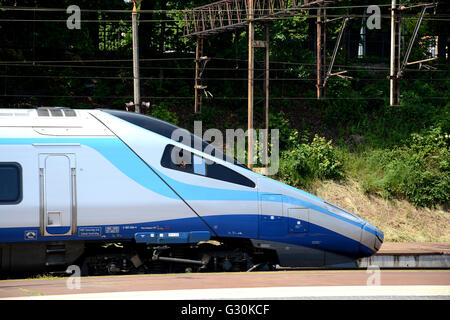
(272, 222)
(57, 194)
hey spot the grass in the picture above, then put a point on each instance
(398, 219)
(34, 293)
(403, 189)
(46, 276)
(372, 189)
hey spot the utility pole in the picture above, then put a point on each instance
(266, 83)
(137, 89)
(251, 56)
(321, 39)
(200, 62)
(394, 90)
(198, 54)
(230, 15)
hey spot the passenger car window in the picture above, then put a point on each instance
(10, 183)
(182, 160)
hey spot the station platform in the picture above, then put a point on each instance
(407, 248)
(410, 255)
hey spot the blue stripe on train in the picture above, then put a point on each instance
(241, 226)
(116, 152)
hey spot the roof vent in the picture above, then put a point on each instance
(56, 112)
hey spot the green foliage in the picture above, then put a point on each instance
(162, 112)
(444, 120)
(384, 126)
(418, 171)
(430, 142)
(288, 136)
(307, 162)
(391, 162)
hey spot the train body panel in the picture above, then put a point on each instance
(217, 198)
(110, 181)
(91, 175)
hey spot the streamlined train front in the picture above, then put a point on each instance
(100, 188)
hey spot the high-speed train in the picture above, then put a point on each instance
(100, 189)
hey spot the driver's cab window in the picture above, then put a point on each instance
(179, 159)
(199, 165)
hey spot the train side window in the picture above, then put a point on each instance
(179, 159)
(219, 172)
(10, 183)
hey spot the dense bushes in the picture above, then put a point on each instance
(418, 171)
(404, 153)
(162, 112)
(387, 150)
(305, 162)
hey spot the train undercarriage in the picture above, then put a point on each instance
(115, 258)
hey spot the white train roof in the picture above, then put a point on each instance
(54, 121)
(59, 121)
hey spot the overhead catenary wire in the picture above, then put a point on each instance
(182, 11)
(51, 63)
(272, 14)
(63, 63)
(434, 18)
(57, 77)
(17, 8)
(216, 98)
(355, 68)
